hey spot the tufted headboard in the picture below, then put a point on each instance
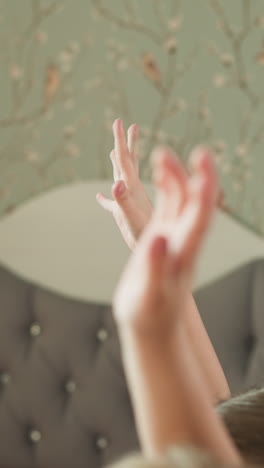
(63, 395)
(63, 401)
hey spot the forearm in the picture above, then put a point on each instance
(171, 400)
(204, 351)
(149, 368)
(208, 430)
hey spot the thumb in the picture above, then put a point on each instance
(136, 220)
(127, 204)
(120, 192)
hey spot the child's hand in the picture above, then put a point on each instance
(152, 289)
(171, 394)
(131, 206)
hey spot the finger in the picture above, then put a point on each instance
(161, 212)
(159, 180)
(119, 191)
(176, 183)
(116, 172)
(187, 240)
(171, 180)
(134, 217)
(201, 221)
(121, 149)
(105, 202)
(132, 143)
(201, 160)
(196, 217)
(132, 138)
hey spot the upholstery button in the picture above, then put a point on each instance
(70, 386)
(35, 329)
(4, 378)
(34, 436)
(102, 334)
(101, 443)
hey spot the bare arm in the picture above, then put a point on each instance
(204, 351)
(171, 400)
(132, 211)
(170, 394)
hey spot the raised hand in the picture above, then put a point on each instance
(130, 205)
(170, 242)
(132, 211)
(170, 391)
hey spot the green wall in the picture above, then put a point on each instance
(187, 71)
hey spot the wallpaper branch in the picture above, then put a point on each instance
(187, 72)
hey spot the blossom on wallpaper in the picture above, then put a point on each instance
(71, 68)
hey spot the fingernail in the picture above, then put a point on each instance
(159, 153)
(135, 128)
(116, 122)
(197, 183)
(121, 188)
(199, 156)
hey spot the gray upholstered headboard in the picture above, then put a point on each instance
(63, 395)
(232, 309)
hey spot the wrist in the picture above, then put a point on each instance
(130, 334)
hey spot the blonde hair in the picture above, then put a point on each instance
(243, 416)
(176, 457)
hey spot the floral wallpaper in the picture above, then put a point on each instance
(186, 71)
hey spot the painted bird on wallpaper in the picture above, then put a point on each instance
(52, 83)
(151, 69)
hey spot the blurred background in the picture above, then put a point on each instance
(187, 72)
